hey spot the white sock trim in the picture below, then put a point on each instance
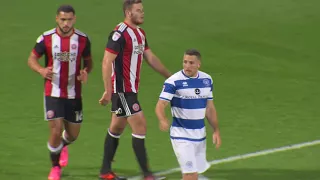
(64, 137)
(55, 150)
(112, 135)
(139, 136)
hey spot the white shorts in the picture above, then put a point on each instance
(191, 155)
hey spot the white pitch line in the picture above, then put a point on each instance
(244, 156)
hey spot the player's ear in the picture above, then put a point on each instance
(127, 13)
(57, 18)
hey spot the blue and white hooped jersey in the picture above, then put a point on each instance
(188, 97)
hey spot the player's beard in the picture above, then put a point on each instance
(136, 20)
(65, 31)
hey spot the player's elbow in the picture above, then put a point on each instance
(209, 112)
(31, 61)
(159, 108)
(105, 64)
(156, 110)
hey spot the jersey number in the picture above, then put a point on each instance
(79, 115)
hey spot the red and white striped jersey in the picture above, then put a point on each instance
(64, 55)
(129, 45)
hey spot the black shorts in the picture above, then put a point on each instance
(68, 109)
(125, 104)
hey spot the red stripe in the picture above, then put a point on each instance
(117, 27)
(112, 51)
(48, 44)
(144, 34)
(137, 80)
(82, 43)
(127, 62)
(113, 79)
(87, 57)
(35, 53)
(64, 68)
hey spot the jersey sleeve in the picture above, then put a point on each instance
(168, 91)
(146, 47)
(40, 48)
(210, 97)
(115, 42)
(87, 49)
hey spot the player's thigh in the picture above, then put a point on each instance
(54, 114)
(72, 129)
(133, 112)
(201, 157)
(73, 117)
(118, 115)
(138, 123)
(185, 153)
(118, 124)
(56, 126)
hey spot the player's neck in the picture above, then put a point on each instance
(195, 75)
(130, 24)
(61, 34)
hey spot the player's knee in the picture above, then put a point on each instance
(139, 131)
(190, 176)
(114, 134)
(69, 137)
(55, 137)
(139, 127)
(55, 128)
(116, 130)
(117, 125)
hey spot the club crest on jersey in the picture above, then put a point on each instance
(189, 164)
(206, 82)
(50, 114)
(135, 107)
(73, 46)
(116, 36)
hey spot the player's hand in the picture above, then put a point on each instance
(83, 77)
(216, 139)
(46, 72)
(105, 99)
(164, 125)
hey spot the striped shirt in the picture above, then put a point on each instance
(128, 44)
(188, 97)
(64, 55)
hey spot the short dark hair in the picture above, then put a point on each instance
(66, 8)
(193, 52)
(127, 4)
